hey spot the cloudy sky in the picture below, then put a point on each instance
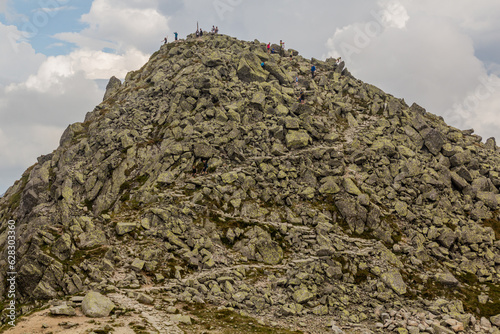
(57, 55)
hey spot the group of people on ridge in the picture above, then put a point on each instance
(199, 32)
(176, 35)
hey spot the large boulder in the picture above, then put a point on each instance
(278, 73)
(394, 280)
(249, 68)
(270, 251)
(297, 139)
(203, 151)
(124, 228)
(95, 305)
(433, 140)
(303, 295)
(213, 59)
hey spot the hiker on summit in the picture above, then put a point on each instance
(213, 30)
(217, 29)
(175, 35)
(201, 32)
(165, 40)
(269, 47)
(197, 33)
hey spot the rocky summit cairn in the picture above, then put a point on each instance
(202, 195)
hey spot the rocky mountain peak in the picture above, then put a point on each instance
(202, 185)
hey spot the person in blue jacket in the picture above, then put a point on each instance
(176, 34)
(313, 70)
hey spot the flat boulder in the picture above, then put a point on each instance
(64, 310)
(124, 228)
(203, 151)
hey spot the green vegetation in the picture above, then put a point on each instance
(15, 199)
(86, 254)
(211, 320)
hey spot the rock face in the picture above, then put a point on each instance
(204, 178)
(95, 305)
(112, 87)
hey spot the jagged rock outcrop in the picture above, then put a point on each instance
(112, 87)
(205, 176)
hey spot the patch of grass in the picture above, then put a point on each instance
(84, 254)
(15, 199)
(467, 292)
(470, 292)
(211, 320)
(362, 276)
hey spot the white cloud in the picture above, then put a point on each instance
(394, 14)
(121, 25)
(17, 59)
(57, 9)
(94, 65)
(40, 96)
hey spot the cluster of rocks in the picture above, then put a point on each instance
(427, 322)
(342, 207)
(93, 305)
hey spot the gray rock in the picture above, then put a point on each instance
(433, 140)
(249, 68)
(181, 319)
(137, 264)
(458, 181)
(145, 299)
(394, 280)
(95, 305)
(124, 228)
(203, 151)
(63, 310)
(270, 251)
(447, 279)
(302, 295)
(495, 320)
(112, 87)
(297, 140)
